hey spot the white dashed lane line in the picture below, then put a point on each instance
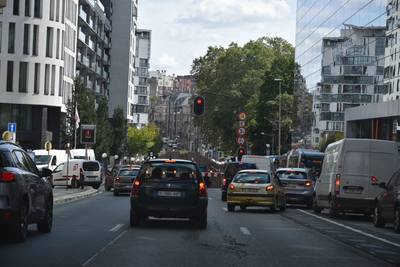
(224, 209)
(245, 231)
(116, 228)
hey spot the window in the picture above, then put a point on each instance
(16, 7)
(35, 40)
(51, 10)
(1, 33)
(11, 38)
(59, 168)
(30, 164)
(58, 45)
(20, 160)
(37, 12)
(49, 42)
(60, 81)
(53, 79)
(26, 39)
(57, 10)
(27, 8)
(10, 75)
(23, 77)
(36, 82)
(46, 79)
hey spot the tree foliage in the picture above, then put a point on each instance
(239, 78)
(331, 138)
(144, 140)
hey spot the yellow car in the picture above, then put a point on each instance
(256, 188)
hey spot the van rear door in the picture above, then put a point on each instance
(355, 177)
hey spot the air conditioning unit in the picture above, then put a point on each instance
(3, 3)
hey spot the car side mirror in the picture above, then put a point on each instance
(45, 172)
(382, 185)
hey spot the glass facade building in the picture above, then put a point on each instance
(339, 63)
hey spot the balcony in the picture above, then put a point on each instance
(99, 51)
(98, 89)
(92, 45)
(85, 61)
(105, 75)
(98, 70)
(82, 36)
(82, 14)
(89, 84)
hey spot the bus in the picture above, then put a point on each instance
(310, 160)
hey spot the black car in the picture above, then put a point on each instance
(170, 189)
(387, 208)
(230, 170)
(26, 195)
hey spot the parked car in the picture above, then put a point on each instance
(71, 173)
(387, 208)
(124, 179)
(230, 170)
(299, 188)
(83, 154)
(169, 188)
(256, 188)
(350, 169)
(26, 196)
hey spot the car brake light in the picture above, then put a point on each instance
(117, 179)
(308, 184)
(136, 189)
(7, 176)
(202, 189)
(337, 184)
(7, 216)
(224, 182)
(232, 187)
(374, 180)
(270, 188)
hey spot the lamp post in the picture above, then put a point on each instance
(280, 115)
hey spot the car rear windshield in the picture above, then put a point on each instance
(127, 172)
(42, 159)
(252, 178)
(91, 166)
(169, 171)
(295, 175)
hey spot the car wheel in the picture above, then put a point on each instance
(20, 229)
(378, 220)
(223, 197)
(45, 225)
(135, 218)
(396, 223)
(333, 212)
(316, 209)
(231, 207)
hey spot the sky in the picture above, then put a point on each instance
(182, 30)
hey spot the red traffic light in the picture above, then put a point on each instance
(199, 101)
(198, 106)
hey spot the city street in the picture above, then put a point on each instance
(96, 232)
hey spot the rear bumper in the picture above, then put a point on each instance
(122, 187)
(248, 200)
(355, 205)
(170, 211)
(299, 197)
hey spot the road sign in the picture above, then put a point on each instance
(242, 116)
(48, 146)
(242, 123)
(12, 127)
(88, 134)
(241, 131)
(241, 141)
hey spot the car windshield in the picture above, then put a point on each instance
(128, 173)
(295, 175)
(169, 171)
(252, 178)
(42, 159)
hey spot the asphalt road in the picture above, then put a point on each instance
(95, 232)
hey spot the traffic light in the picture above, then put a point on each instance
(241, 152)
(198, 106)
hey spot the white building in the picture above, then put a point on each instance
(36, 68)
(140, 108)
(352, 75)
(123, 54)
(165, 82)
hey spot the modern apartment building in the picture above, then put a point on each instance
(317, 20)
(94, 45)
(123, 54)
(37, 67)
(140, 108)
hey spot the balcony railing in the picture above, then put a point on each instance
(85, 61)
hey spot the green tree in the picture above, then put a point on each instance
(119, 132)
(144, 140)
(104, 132)
(331, 138)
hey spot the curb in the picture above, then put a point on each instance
(73, 197)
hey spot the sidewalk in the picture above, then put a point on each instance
(63, 195)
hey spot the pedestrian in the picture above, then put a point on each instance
(82, 180)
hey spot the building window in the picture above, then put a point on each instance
(1, 33)
(10, 75)
(60, 82)
(58, 45)
(36, 83)
(35, 40)
(23, 77)
(16, 7)
(57, 10)
(27, 8)
(46, 79)
(51, 10)
(11, 38)
(26, 39)
(53, 79)
(37, 12)
(49, 42)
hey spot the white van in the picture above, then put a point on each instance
(49, 160)
(350, 169)
(90, 170)
(81, 153)
(261, 162)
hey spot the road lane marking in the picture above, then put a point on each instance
(224, 209)
(245, 231)
(116, 228)
(351, 229)
(90, 259)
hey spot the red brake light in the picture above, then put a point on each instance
(136, 189)
(232, 187)
(202, 189)
(117, 178)
(270, 188)
(374, 180)
(7, 176)
(308, 184)
(337, 184)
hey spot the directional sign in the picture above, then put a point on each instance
(241, 131)
(242, 116)
(12, 127)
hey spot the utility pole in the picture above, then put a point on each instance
(280, 115)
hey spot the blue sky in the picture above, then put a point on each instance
(183, 29)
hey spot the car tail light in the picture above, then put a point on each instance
(7, 216)
(270, 188)
(337, 184)
(202, 189)
(136, 188)
(308, 183)
(224, 182)
(374, 180)
(117, 179)
(232, 187)
(7, 176)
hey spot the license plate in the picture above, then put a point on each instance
(169, 194)
(353, 190)
(249, 190)
(290, 185)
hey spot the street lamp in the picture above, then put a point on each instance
(280, 114)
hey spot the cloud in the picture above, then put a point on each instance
(166, 61)
(227, 13)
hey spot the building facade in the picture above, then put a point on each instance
(37, 65)
(94, 45)
(123, 54)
